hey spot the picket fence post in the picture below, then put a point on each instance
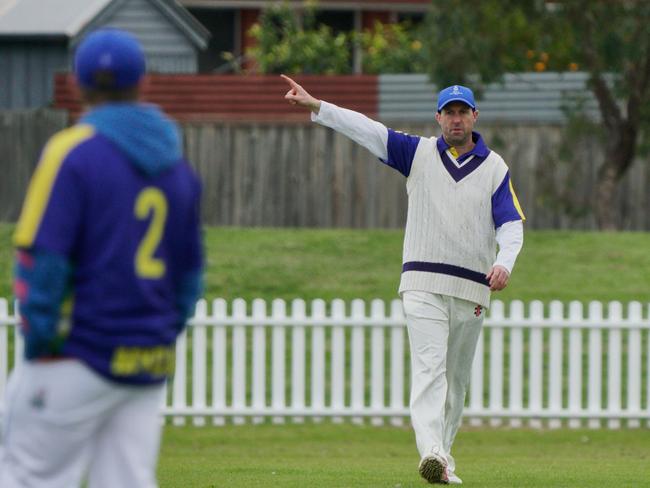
(358, 359)
(259, 359)
(516, 381)
(536, 371)
(179, 390)
(594, 388)
(278, 358)
(298, 314)
(634, 314)
(199, 360)
(338, 359)
(556, 361)
(575, 363)
(239, 369)
(219, 364)
(614, 315)
(377, 351)
(318, 359)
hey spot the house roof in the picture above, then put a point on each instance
(375, 5)
(72, 18)
(50, 18)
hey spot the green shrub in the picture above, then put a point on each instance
(392, 48)
(287, 45)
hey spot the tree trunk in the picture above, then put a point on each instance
(619, 156)
(608, 180)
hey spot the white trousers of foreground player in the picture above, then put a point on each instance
(62, 423)
(443, 332)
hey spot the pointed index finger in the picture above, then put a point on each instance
(290, 81)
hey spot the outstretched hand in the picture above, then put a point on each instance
(297, 95)
(498, 278)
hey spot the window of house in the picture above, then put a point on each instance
(221, 24)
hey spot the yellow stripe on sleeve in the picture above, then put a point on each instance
(516, 201)
(40, 186)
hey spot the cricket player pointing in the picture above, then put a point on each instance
(461, 205)
(110, 225)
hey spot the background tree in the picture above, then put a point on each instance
(608, 39)
(392, 48)
(290, 41)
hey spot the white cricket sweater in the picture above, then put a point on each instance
(450, 244)
(454, 246)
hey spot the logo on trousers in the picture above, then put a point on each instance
(38, 400)
(478, 310)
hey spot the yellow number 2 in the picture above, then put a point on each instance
(150, 201)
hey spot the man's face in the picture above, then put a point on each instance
(457, 120)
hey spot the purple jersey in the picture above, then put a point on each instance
(131, 239)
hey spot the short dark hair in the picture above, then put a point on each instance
(94, 96)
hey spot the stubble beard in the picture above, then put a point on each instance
(456, 141)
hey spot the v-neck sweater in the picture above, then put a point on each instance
(449, 243)
(450, 240)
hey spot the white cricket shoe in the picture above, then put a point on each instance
(433, 468)
(452, 479)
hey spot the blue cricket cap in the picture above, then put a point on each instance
(109, 59)
(456, 93)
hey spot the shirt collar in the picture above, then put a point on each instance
(480, 149)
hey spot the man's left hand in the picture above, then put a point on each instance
(498, 278)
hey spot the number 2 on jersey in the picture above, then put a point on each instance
(150, 201)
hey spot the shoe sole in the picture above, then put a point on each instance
(433, 470)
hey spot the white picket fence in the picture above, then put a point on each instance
(535, 364)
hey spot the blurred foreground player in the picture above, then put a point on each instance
(461, 204)
(109, 264)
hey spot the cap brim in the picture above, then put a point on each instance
(456, 100)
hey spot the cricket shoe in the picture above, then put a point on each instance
(452, 479)
(433, 468)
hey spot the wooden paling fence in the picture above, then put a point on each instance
(535, 364)
(282, 174)
(306, 175)
(22, 136)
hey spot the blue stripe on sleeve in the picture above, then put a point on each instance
(504, 208)
(401, 149)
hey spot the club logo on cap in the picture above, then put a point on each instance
(456, 93)
(106, 60)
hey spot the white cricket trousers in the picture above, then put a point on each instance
(63, 423)
(443, 332)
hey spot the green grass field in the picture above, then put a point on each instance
(283, 263)
(348, 456)
(292, 263)
(310, 263)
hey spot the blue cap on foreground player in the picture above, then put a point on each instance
(456, 93)
(109, 59)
